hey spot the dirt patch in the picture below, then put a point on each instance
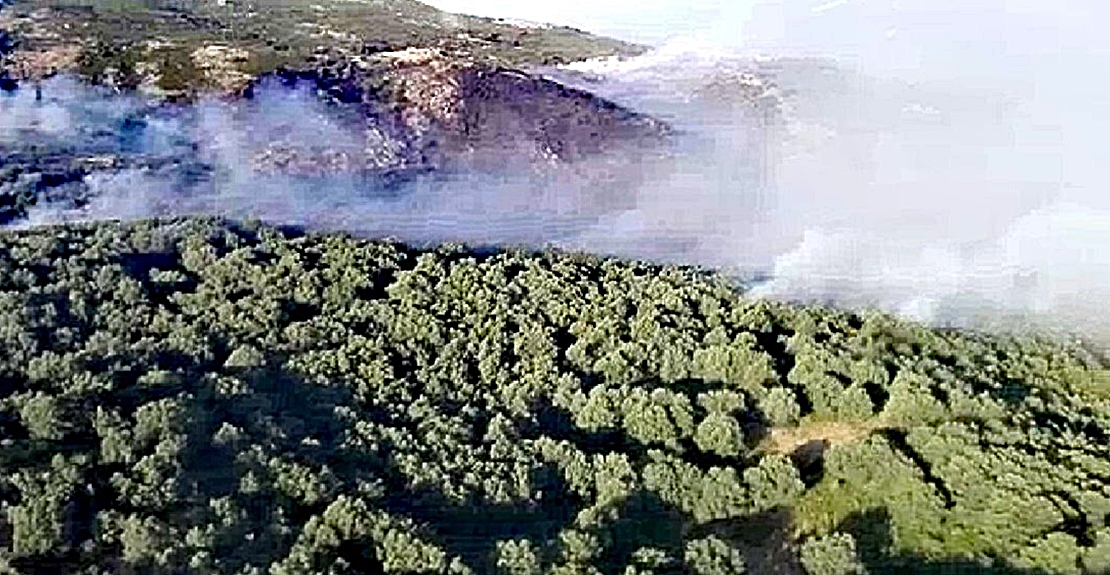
(787, 440)
(428, 82)
(40, 64)
(288, 159)
(221, 66)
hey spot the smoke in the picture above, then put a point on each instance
(935, 159)
(939, 160)
(959, 181)
(210, 157)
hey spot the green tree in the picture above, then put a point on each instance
(738, 363)
(911, 401)
(833, 554)
(773, 482)
(147, 541)
(646, 418)
(712, 556)
(517, 557)
(780, 406)
(38, 521)
(42, 415)
(1096, 559)
(1054, 553)
(720, 434)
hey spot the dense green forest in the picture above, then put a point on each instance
(203, 396)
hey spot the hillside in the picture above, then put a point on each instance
(204, 396)
(179, 46)
(422, 90)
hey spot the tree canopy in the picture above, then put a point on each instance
(204, 396)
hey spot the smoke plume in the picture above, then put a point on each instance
(935, 159)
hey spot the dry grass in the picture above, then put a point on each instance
(785, 440)
(39, 64)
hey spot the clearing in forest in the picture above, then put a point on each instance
(786, 440)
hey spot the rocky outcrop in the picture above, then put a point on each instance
(433, 92)
(426, 109)
(221, 66)
(437, 95)
(565, 124)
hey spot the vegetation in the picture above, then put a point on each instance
(202, 44)
(195, 395)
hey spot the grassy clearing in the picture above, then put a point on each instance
(785, 440)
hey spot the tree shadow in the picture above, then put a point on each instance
(809, 458)
(1013, 392)
(897, 440)
(643, 520)
(471, 530)
(139, 265)
(773, 342)
(558, 424)
(764, 540)
(281, 409)
(291, 418)
(756, 427)
(355, 558)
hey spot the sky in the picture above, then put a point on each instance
(886, 33)
(640, 21)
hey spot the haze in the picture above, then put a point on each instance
(944, 160)
(953, 173)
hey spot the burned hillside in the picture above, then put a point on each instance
(444, 103)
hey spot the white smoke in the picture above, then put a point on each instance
(937, 159)
(516, 205)
(946, 167)
(963, 184)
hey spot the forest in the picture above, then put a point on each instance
(199, 395)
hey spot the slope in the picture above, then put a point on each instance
(197, 395)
